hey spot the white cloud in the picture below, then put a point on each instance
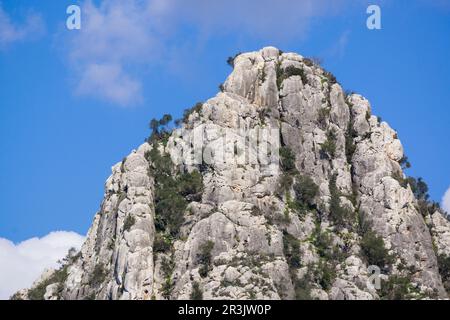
(22, 264)
(116, 41)
(32, 27)
(446, 201)
(120, 40)
(110, 82)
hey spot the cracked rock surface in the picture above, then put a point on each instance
(243, 238)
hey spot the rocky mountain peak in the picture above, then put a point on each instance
(281, 186)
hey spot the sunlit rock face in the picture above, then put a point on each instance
(257, 229)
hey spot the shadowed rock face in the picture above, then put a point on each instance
(244, 237)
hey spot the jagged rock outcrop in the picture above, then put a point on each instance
(257, 230)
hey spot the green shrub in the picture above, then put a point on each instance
(195, 109)
(444, 270)
(325, 275)
(129, 222)
(302, 289)
(339, 215)
(364, 224)
(350, 146)
(395, 288)
(397, 175)
(167, 268)
(322, 243)
(287, 159)
(329, 146)
(59, 277)
(404, 163)
(291, 249)
(374, 251)
(172, 192)
(161, 244)
(98, 276)
(331, 78)
(283, 74)
(230, 60)
(294, 71)
(204, 258)
(324, 114)
(190, 185)
(197, 293)
(305, 191)
(285, 182)
(160, 129)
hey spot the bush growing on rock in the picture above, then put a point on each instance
(329, 146)
(195, 109)
(173, 191)
(374, 250)
(305, 191)
(341, 216)
(197, 293)
(444, 270)
(98, 276)
(58, 277)
(291, 248)
(287, 159)
(129, 222)
(204, 258)
(396, 288)
(160, 129)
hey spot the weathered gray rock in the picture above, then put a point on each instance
(262, 247)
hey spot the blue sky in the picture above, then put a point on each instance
(74, 103)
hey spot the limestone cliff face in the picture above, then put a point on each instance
(252, 233)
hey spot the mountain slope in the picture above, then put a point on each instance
(280, 187)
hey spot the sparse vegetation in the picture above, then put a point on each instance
(98, 276)
(197, 293)
(167, 268)
(285, 183)
(374, 251)
(339, 215)
(161, 243)
(129, 222)
(230, 60)
(283, 74)
(160, 129)
(444, 270)
(404, 163)
(291, 248)
(306, 191)
(204, 258)
(329, 146)
(331, 78)
(58, 277)
(372, 245)
(172, 192)
(287, 159)
(195, 109)
(350, 146)
(324, 114)
(396, 288)
(324, 274)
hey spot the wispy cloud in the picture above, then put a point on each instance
(11, 32)
(22, 264)
(121, 40)
(338, 50)
(116, 38)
